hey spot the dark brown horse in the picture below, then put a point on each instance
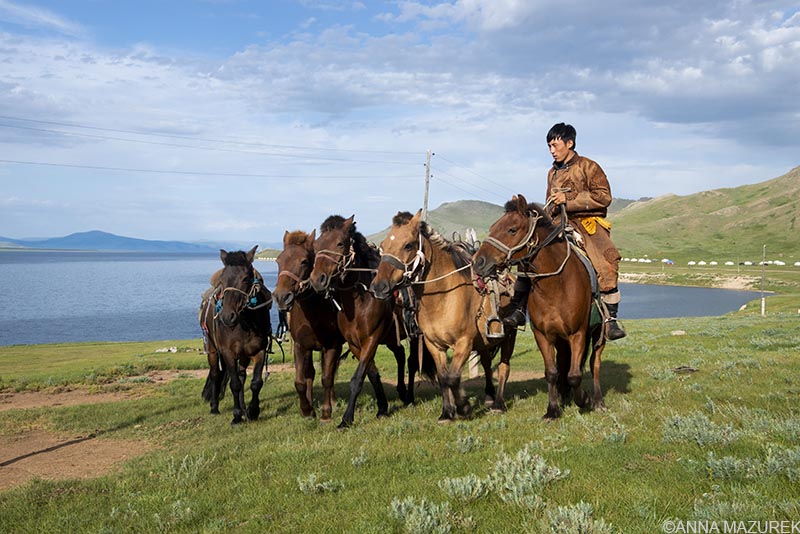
(312, 321)
(237, 328)
(450, 307)
(344, 266)
(560, 302)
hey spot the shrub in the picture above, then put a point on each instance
(577, 519)
(309, 485)
(427, 517)
(697, 427)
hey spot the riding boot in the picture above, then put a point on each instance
(614, 329)
(519, 302)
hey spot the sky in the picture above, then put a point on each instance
(236, 120)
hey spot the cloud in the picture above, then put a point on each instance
(37, 17)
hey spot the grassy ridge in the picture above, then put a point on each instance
(721, 442)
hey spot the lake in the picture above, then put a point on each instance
(59, 297)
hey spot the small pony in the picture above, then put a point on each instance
(235, 319)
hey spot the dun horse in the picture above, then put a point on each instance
(449, 307)
(560, 302)
(344, 266)
(237, 329)
(312, 321)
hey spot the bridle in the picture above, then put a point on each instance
(250, 300)
(342, 261)
(412, 270)
(533, 245)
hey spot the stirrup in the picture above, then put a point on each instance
(494, 333)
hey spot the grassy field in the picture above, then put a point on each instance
(702, 424)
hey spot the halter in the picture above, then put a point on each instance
(410, 269)
(533, 220)
(534, 247)
(342, 261)
(251, 298)
(302, 284)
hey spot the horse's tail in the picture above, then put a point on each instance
(222, 380)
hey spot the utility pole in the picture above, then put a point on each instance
(763, 266)
(427, 186)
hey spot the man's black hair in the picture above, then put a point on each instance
(565, 132)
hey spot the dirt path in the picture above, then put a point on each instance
(40, 454)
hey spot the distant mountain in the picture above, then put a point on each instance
(722, 224)
(456, 217)
(103, 241)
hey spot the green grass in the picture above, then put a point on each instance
(720, 442)
(60, 364)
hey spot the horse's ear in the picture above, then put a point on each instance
(222, 255)
(310, 241)
(251, 254)
(417, 216)
(522, 204)
(285, 238)
(349, 221)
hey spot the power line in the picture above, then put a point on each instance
(494, 193)
(477, 174)
(216, 149)
(198, 173)
(206, 139)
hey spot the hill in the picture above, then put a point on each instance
(731, 223)
(104, 241)
(456, 217)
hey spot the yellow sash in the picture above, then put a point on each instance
(590, 224)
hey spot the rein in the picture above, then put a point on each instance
(415, 269)
(534, 247)
(251, 298)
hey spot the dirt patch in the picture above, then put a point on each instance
(39, 454)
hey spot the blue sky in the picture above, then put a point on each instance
(236, 120)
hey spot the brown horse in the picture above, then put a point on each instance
(560, 302)
(237, 330)
(344, 265)
(449, 307)
(312, 321)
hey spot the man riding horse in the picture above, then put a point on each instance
(581, 186)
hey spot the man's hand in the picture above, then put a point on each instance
(557, 198)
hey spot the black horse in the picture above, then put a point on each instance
(236, 324)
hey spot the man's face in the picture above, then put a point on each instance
(559, 149)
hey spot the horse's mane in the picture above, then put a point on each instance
(297, 237)
(545, 219)
(460, 256)
(237, 259)
(366, 255)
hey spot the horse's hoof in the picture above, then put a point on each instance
(382, 414)
(325, 420)
(497, 408)
(237, 421)
(215, 411)
(488, 401)
(343, 426)
(552, 414)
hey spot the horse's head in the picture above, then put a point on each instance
(294, 267)
(508, 237)
(401, 254)
(238, 284)
(333, 251)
